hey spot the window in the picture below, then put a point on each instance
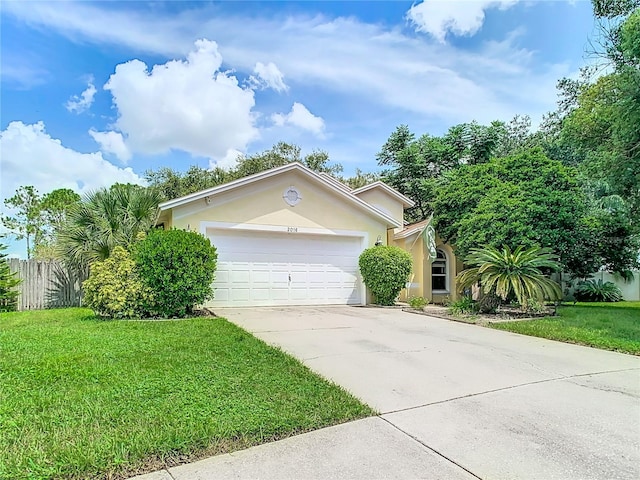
(439, 272)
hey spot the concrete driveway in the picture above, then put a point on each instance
(456, 401)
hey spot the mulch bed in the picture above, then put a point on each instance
(503, 314)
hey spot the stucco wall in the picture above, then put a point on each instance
(384, 202)
(420, 284)
(262, 203)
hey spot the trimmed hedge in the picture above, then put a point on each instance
(178, 266)
(385, 270)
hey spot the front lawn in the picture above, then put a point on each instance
(610, 326)
(81, 397)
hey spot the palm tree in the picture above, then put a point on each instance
(105, 219)
(503, 272)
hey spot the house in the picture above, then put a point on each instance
(291, 236)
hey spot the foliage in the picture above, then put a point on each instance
(178, 266)
(463, 306)
(27, 222)
(385, 270)
(360, 179)
(418, 302)
(597, 291)
(415, 166)
(489, 303)
(525, 200)
(610, 326)
(8, 283)
(83, 398)
(114, 288)
(533, 305)
(172, 184)
(105, 219)
(38, 218)
(503, 272)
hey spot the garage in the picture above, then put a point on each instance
(257, 268)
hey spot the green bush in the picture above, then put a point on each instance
(114, 288)
(463, 306)
(534, 306)
(8, 283)
(385, 270)
(178, 266)
(418, 302)
(597, 291)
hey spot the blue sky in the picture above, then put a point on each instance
(98, 92)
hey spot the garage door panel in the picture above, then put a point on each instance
(265, 268)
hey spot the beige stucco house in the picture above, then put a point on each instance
(291, 236)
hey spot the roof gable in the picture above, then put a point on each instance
(298, 167)
(406, 202)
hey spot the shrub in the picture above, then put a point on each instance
(532, 305)
(504, 273)
(178, 266)
(385, 270)
(463, 306)
(8, 283)
(597, 291)
(489, 303)
(418, 302)
(114, 288)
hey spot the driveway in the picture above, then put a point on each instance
(477, 402)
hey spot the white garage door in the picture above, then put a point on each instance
(266, 268)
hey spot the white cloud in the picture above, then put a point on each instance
(229, 160)
(113, 143)
(188, 105)
(384, 72)
(82, 103)
(439, 17)
(269, 76)
(30, 156)
(300, 117)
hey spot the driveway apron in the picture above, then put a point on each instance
(474, 402)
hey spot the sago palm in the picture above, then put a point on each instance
(501, 272)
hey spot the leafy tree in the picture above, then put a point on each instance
(414, 166)
(282, 154)
(105, 219)
(27, 223)
(360, 179)
(172, 184)
(505, 272)
(8, 283)
(522, 200)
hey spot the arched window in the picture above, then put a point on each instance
(439, 280)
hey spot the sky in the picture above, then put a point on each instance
(94, 93)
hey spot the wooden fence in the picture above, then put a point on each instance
(46, 284)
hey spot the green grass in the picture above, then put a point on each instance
(85, 398)
(610, 326)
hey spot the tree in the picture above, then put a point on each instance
(8, 283)
(105, 219)
(360, 179)
(522, 200)
(415, 165)
(27, 223)
(172, 184)
(282, 154)
(505, 272)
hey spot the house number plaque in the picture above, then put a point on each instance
(292, 229)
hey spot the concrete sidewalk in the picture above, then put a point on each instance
(457, 401)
